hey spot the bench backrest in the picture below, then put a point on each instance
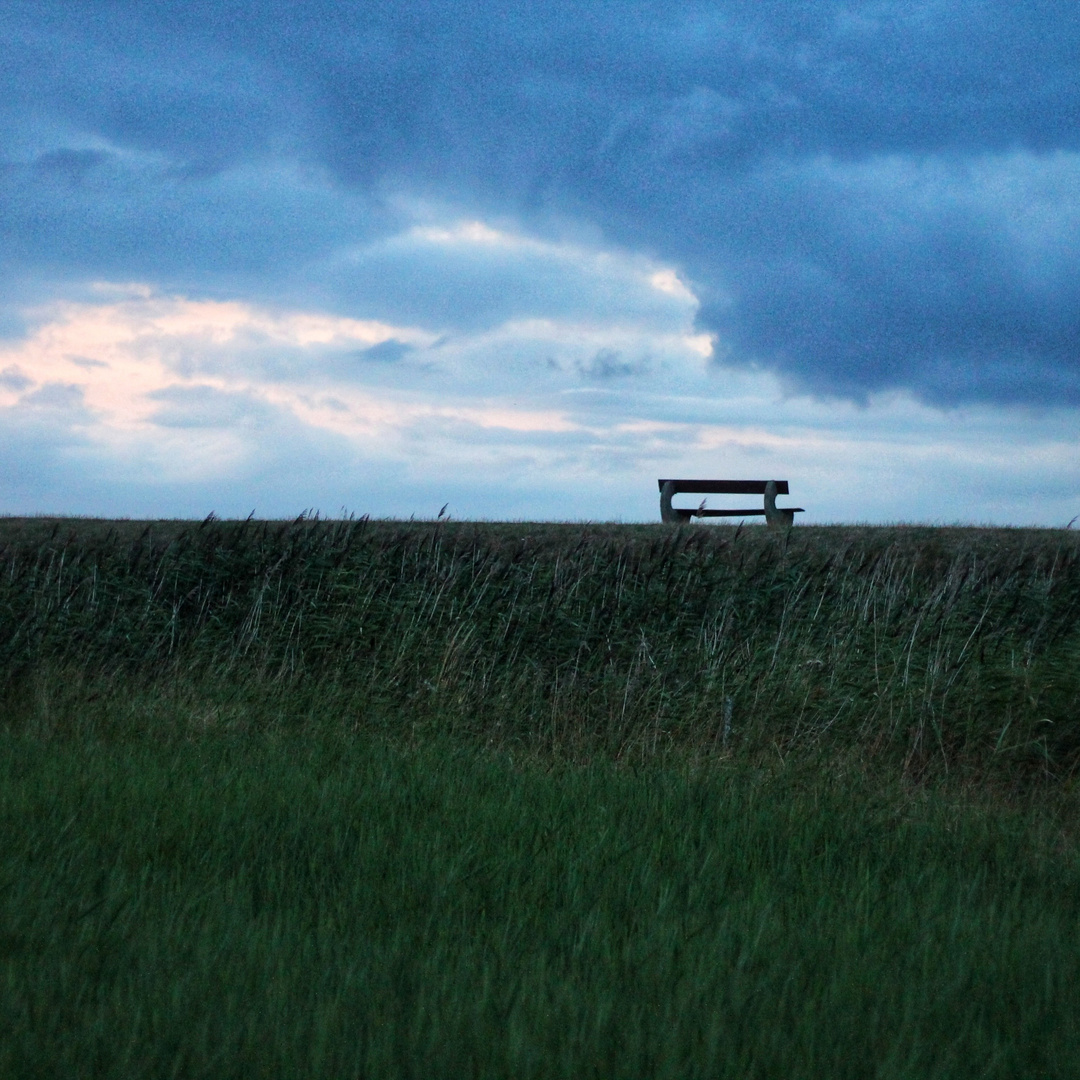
(723, 487)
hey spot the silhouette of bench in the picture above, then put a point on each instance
(776, 516)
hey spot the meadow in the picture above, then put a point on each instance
(454, 799)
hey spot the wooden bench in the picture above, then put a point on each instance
(777, 517)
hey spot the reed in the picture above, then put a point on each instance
(950, 648)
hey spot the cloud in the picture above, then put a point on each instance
(205, 407)
(252, 229)
(14, 379)
(610, 364)
(465, 275)
(955, 280)
(849, 189)
(135, 348)
(173, 405)
(139, 358)
(387, 351)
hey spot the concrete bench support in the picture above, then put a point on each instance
(777, 517)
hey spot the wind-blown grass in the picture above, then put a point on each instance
(960, 647)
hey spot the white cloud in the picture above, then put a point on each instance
(122, 352)
(467, 275)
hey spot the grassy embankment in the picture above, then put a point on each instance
(517, 800)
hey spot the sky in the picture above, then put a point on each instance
(525, 259)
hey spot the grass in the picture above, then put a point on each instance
(298, 907)
(954, 649)
(374, 799)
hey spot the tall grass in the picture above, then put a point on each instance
(959, 647)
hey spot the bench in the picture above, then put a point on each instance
(776, 516)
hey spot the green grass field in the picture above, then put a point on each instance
(374, 799)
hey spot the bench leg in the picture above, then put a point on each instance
(669, 513)
(776, 518)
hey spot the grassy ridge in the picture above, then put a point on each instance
(367, 799)
(960, 647)
(343, 907)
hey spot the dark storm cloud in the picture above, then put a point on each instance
(124, 216)
(848, 187)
